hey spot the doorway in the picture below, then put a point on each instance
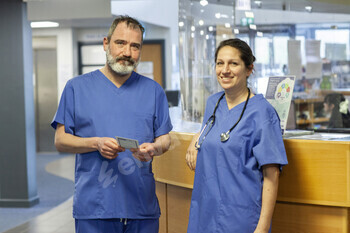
(45, 91)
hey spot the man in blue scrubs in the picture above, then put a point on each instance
(114, 186)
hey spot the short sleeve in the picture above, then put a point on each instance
(268, 146)
(65, 111)
(162, 122)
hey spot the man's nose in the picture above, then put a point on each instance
(127, 51)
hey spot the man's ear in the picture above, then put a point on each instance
(105, 43)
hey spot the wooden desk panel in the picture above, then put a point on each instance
(171, 168)
(179, 202)
(300, 218)
(161, 191)
(317, 173)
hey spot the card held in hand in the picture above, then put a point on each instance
(127, 143)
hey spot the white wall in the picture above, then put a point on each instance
(65, 62)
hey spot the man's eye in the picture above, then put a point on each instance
(135, 46)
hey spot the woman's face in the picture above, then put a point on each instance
(328, 107)
(230, 69)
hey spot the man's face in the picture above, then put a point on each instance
(124, 49)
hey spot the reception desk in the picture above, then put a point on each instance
(313, 195)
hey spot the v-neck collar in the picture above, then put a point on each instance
(110, 84)
(238, 106)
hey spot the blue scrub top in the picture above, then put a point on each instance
(228, 181)
(92, 106)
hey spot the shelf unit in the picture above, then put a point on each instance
(310, 106)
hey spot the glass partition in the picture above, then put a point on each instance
(287, 41)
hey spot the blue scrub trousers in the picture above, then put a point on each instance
(116, 225)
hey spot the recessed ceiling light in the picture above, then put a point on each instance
(201, 22)
(193, 28)
(44, 24)
(236, 31)
(227, 25)
(203, 2)
(210, 28)
(260, 34)
(308, 8)
(218, 15)
(249, 14)
(181, 24)
(252, 26)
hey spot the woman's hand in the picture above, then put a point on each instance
(191, 154)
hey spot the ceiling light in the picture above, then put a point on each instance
(193, 28)
(249, 14)
(210, 28)
(207, 37)
(227, 25)
(218, 15)
(260, 34)
(201, 32)
(308, 8)
(44, 24)
(224, 36)
(258, 3)
(201, 22)
(181, 24)
(203, 2)
(252, 26)
(192, 35)
(236, 31)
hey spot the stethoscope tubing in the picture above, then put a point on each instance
(225, 135)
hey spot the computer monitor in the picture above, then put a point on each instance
(173, 97)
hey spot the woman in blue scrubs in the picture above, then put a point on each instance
(238, 154)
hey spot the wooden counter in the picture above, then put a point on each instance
(313, 196)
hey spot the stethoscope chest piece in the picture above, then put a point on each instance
(224, 136)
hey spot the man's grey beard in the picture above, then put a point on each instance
(121, 69)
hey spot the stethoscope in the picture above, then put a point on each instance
(223, 136)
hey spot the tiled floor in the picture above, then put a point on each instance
(59, 219)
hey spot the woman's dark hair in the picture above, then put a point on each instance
(338, 119)
(246, 53)
(334, 98)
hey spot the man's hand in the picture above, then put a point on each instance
(109, 147)
(145, 152)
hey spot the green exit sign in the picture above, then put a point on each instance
(247, 21)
